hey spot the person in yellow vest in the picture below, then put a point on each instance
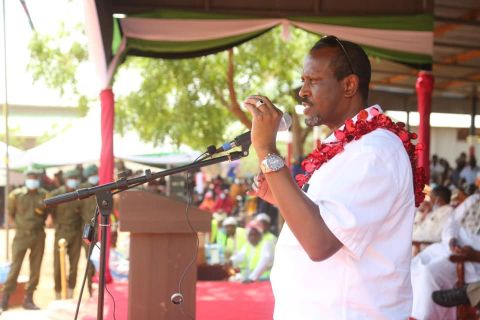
(255, 259)
(217, 220)
(265, 220)
(231, 237)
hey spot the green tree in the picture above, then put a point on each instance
(56, 60)
(192, 101)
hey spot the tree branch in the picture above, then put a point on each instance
(234, 106)
(218, 93)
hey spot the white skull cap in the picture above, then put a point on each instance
(230, 221)
(263, 217)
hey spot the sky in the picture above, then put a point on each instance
(21, 89)
(20, 86)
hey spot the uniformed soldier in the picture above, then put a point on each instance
(26, 209)
(90, 204)
(91, 174)
(68, 225)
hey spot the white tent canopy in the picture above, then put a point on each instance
(14, 154)
(81, 144)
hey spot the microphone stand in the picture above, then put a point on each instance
(104, 196)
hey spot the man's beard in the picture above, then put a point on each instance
(313, 121)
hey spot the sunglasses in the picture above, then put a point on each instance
(335, 40)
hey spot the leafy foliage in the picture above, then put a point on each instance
(187, 100)
(56, 59)
(172, 101)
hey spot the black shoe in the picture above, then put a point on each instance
(451, 297)
(5, 299)
(28, 303)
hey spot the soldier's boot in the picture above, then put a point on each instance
(28, 303)
(90, 289)
(5, 299)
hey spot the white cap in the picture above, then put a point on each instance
(219, 215)
(230, 221)
(263, 217)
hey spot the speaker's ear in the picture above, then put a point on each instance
(351, 85)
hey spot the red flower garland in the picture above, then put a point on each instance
(354, 131)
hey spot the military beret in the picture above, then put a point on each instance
(72, 173)
(90, 170)
(33, 172)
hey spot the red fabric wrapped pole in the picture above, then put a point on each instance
(105, 171)
(424, 88)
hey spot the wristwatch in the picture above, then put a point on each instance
(272, 162)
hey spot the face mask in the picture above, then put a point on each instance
(72, 183)
(93, 180)
(32, 184)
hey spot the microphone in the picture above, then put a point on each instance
(245, 138)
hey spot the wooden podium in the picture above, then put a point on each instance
(162, 245)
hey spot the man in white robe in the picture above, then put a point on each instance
(432, 270)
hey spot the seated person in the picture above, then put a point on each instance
(428, 226)
(255, 258)
(231, 237)
(264, 219)
(216, 225)
(432, 270)
(458, 196)
(208, 202)
(223, 202)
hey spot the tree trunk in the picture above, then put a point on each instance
(234, 106)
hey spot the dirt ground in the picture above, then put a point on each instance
(45, 292)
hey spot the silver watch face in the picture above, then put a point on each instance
(274, 162)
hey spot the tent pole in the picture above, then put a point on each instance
(5, 115)
(424, 88)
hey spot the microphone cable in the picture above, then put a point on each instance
(177, 298)
(93, 243)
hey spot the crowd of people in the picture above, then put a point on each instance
(461, 177)
(244, 228)
(346, 244)
(446, 224)
(447, 189)
(243, 236)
